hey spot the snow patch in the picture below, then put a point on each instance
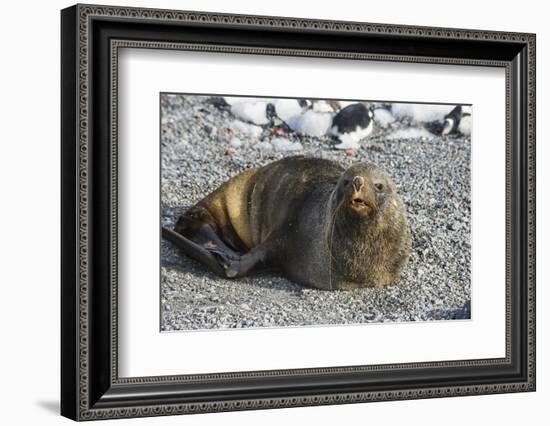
(230, 100)
(311, 123)
(419, 112)
(322, 106)
(383, 117)
(253, 112)
(465, 125)
(287, 108)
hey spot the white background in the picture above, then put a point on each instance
(141, 345)
(29, 168)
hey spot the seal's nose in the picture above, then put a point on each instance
(358, 182)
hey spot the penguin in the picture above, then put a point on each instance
(352, 124)
(450, 124)
(452, 120)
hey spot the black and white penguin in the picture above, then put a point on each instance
(352, 124)
(451, 121)
(450, 124)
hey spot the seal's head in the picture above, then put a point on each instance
(370, 239)
(363, 190)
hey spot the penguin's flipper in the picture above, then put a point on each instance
(435, 127)
(194, 251)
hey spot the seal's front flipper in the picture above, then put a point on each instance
(210, 240)
(194, 251)
(247, 262)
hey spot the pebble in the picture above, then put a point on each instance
(235, 142)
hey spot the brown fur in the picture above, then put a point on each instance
(319, 224)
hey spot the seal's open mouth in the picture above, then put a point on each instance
(360, 204)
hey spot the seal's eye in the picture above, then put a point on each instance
(379, 187)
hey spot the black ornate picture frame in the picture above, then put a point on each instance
(90, 38)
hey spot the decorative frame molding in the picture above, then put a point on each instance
(91, 388)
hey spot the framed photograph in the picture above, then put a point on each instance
(263, 212)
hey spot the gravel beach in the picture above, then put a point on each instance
(203, 144)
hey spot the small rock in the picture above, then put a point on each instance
(235, 142)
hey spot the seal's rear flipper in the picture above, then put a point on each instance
(194, 251)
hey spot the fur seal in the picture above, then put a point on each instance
(320, 224)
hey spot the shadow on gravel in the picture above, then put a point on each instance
(463, 313)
